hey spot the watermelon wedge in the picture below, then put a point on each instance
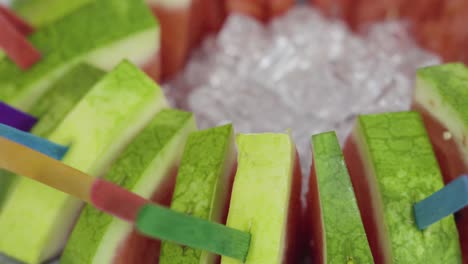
(53, 107)
(99, 114)
(265, 197)
(336, 230)
(392, 166)
(203, 187)
(441, 96)
(119, 29)
(147, 167)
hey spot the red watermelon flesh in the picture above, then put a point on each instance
(363, 194)
(253, 8)
(215, 15)
(294, 237)
(263, 10)
(174, 38)
(196, 25)
(279, 7)
(314, 226)
(153, 67)
(451, 164)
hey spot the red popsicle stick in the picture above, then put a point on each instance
(14, 42)
(22, 26)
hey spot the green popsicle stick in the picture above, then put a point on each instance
(165, 224)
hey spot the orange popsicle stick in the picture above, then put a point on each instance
(39, 167)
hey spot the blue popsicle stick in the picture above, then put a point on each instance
(15, 118)
(448, 200)
(39, 144)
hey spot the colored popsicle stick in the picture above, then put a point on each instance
(152, 220)
(177, 227)
(15, 44)
(448, 200)
(27, 162)
(42, 145)
(16, 118)
(22, 26)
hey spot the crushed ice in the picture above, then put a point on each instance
(302, 72)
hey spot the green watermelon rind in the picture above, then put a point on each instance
(402, 167)
(97, 129)
(206, 165)
(40, 13)
(442, 91)
(71, 40)
(147, 160)
(64, 94)
(261, 194)
(344, 235)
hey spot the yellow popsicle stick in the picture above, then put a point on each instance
(27, 162)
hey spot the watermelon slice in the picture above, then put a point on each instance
(203, 187)
(336, 229)
(441, 96)
(392, 166)
(54, 106)
(15, 118)
(266, 197)
(99, 114)
(119, 29)
(147, 168)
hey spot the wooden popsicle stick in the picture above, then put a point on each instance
(448, 200)
(27, 162)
